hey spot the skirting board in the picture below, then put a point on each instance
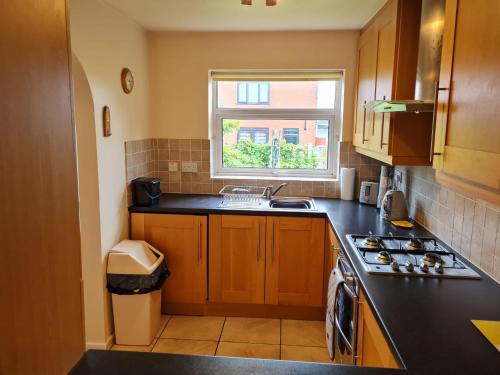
(101, 345)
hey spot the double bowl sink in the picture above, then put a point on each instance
(276, 203)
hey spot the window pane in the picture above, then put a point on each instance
(244, 134)
(277, 94)
(242, 92)
(253, 92)
(274, 144)
(326, 94)
(261, 136)
(264, 92)
(291, 136)
(322, 129)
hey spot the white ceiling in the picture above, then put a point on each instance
(230, 15)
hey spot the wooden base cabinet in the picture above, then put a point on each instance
(237, 258)
(183, 241)
(373, 350)
(295, 261)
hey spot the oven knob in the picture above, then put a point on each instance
(438, 267)
(409, 266)
(395, 265)
(424, 267)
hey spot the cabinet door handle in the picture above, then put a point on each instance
(434, 120)
(382, 143)
(258, 242)
(272, 242)
(364, 121)
(199, 242)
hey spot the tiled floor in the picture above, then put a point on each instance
(293, 340)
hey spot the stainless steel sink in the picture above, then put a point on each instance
(276, 203)
(289, 203)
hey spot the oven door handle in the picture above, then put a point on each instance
(342, 336)
(355, 302)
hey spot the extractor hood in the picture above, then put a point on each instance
(429, 61)
(415, 106)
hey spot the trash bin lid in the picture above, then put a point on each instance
(133, 258)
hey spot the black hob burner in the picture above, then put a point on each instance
(414, 244)
(372, 242)
(384, 257)
(408, 256)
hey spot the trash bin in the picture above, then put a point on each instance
(136, 271)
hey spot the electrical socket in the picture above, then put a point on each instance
(189, 166)
(173, 166)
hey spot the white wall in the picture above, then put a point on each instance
(105, 41)
(88, 193)
(180, 61)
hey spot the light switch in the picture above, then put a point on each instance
(173, 166)
(189, 166)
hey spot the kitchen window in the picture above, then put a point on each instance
(295, 135)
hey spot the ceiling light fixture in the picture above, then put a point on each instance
(269, 3)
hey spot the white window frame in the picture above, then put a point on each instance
(216, 115)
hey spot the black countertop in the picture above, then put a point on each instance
(427, 320)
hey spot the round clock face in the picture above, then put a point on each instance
(127, 80)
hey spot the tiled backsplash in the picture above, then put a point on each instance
(141, 160)
(472, 227)
(151, 157)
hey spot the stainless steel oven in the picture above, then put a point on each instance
(342, 312)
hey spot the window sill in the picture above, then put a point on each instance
(273, 178)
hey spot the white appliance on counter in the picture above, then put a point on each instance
(368, 192)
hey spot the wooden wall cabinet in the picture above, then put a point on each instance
(373, 350)
(237, 258)
(467, 132)
(294, 261)
(183, 241)
(387, 66)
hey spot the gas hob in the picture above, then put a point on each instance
(408, 256)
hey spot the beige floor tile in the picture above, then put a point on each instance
(305, 354)
(252, 330)
(134, 348)
(238, 349)
(163, 323)
(194, 328)
(303, 332)
(175, 346)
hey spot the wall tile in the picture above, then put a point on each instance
(184, 144)
(471, 227)
(151, 158)
(173, 144)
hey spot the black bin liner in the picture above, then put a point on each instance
(138, 284)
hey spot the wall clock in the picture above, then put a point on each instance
(127, 80)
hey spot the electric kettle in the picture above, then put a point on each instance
(394, 206)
